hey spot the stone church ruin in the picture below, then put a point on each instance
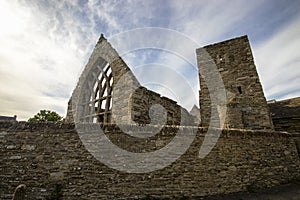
(103, 71)
(245, 102)
(52, 160)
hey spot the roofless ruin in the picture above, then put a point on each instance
(245, 102)
(52, 157)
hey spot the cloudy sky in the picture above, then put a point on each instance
(46, 44)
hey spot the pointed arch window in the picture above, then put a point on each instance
(103, 90)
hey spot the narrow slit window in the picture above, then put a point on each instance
(240, 89)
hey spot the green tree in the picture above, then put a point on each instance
(46, 116)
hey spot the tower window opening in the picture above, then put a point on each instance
(240, 89)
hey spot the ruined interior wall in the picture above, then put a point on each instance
(287, 124)
(42, 155)
(286, 114)
(246, 105)
(143, 99)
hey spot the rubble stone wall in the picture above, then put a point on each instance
(287, 124)
(47, 156)
(143, 100)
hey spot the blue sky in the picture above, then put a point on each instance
(46, 44)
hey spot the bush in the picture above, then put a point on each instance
(46, 116)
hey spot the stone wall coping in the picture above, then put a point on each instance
(112, 128)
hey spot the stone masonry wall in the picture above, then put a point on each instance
(143, 99)
(286, 114)
(246, 105)
(69, 116)
(44, 155)
(287, 124)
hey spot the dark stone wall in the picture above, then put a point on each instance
(46, 155)
(286, 114)
(287, 124)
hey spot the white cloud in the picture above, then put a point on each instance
(35, 60)
(207, 22)
(105, 11)
(278, 61)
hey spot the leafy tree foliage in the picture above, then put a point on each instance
(46, 116)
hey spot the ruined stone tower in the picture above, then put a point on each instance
(245, 101)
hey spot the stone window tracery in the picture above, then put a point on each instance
(103, 90)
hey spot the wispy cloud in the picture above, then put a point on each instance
(278, 59)
(37, 57)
